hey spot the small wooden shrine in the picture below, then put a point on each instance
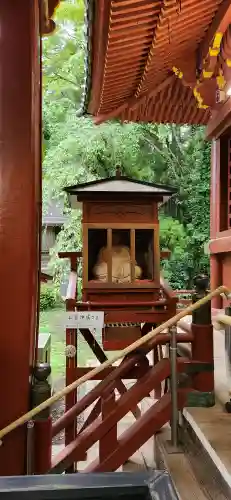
(121, 254)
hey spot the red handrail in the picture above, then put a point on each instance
(126, 364)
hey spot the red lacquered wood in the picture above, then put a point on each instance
(100, 428)
(118, 345)
(135, 303)
(87, 400)
(142, 430)
(202, 349)
(42, 445)
(71, 398)
(20, 199)
(108, 442)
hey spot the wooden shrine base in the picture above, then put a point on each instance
(201, 466)
(212, 428)
(179, 468)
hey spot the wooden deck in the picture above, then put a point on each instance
(179, 468)
(213, 425)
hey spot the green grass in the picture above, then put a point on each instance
(52, 321)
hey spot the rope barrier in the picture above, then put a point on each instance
(128, 350)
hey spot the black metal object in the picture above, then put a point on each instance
(105, 486)
(41, 389)
(201, 316)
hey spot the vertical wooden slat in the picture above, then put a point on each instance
(156, 255)
(229, 184)
(108, 442)
(71, 398)
(85, 254)
(109, 253)
(133, 253)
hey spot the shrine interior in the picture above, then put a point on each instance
(144, 255)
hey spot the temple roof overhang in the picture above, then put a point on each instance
(162, 61)
(118, 186)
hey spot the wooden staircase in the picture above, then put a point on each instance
(114, 452)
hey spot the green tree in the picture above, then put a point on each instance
(77, 151)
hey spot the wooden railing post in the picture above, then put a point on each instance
(202, 348)
(42, 431)
(147, 343)
(157, 391)
(71, 346)
(108, 443)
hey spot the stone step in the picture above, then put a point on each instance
(206, 437)
(202, 467)
(179, 468)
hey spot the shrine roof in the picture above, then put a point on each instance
(121, 184)
(145, 59)
(54, 214)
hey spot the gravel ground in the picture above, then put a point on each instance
(58, 409)
(56, 412)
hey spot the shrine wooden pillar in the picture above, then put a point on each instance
(20, 201)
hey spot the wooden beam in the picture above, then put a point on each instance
(219, 24)
(220, 121)
(220, 245)
(134, 102)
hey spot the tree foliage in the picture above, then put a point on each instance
(75, 150)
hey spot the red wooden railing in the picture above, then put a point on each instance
(107, 411)
(184, 297)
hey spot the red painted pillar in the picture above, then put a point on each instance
(202, 347)
(20, 196)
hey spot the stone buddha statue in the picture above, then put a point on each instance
(121, 263)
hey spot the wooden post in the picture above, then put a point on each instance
(202, 349)
(133, 253)
(109, 255)
(157, 391)
(20, 202)
(108, 443)
(41, 391)
(71, 365)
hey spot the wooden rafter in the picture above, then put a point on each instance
(134, 101)
(219, 25)
(137, 58)
(149, 58)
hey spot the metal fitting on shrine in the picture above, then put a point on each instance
(70, 351)
(41, 389)
(201, 316)
(202, 349)
(42, 432)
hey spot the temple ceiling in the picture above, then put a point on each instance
(157, 60)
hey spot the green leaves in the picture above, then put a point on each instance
(75, 150)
